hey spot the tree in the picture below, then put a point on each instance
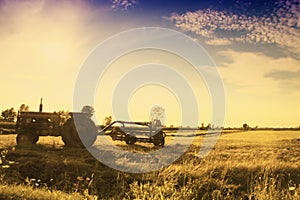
(202, 127)
(9, 114)
(245, 126)
(64, 115)
(208, 126)
(24, 108)
(89, 110)
(107, 121)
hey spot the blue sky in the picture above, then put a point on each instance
(255, 45)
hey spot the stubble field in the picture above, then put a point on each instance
(242, 165)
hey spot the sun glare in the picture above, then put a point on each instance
(55, 52)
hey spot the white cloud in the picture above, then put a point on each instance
(123, 4)
(281, 28)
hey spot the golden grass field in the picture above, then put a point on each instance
(242, 165)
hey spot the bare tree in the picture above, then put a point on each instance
(157, 115)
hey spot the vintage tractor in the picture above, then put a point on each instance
(80, 131)
(31, 125)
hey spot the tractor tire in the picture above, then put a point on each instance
(159, 139)
(27, 139)
(81, 135)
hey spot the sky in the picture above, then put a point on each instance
(254, 45)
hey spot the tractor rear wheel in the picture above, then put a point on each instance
(83, 134)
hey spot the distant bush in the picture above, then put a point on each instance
(7, 125)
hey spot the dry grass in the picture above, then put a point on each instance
(243, 165)
(28, 192)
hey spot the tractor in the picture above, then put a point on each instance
(31, 125)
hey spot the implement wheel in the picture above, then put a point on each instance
(130, 139)
(159, 139)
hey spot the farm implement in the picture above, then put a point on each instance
(132, 132)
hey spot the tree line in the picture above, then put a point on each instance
(10, 114)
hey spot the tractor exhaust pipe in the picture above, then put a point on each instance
(41, 105)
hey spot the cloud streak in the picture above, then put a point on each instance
(283, 75)
(281, 27)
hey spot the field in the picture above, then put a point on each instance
(242, 165)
